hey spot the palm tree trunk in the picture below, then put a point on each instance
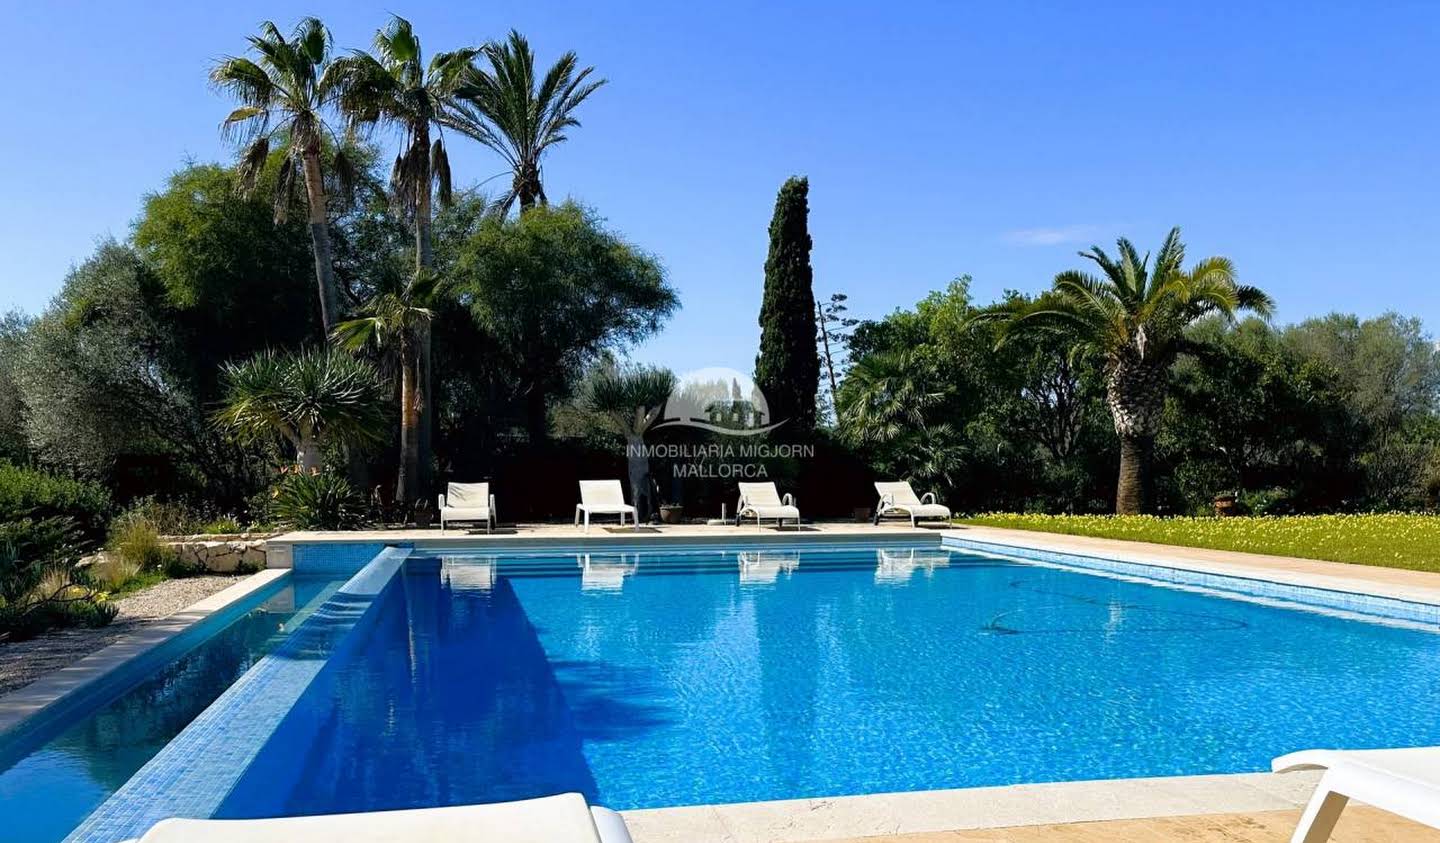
(1135, 395)
(424, 262)
(1132, 493)
(407, 485)
(320, 239)
(307, 455)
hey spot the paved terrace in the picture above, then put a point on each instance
(1243, 808)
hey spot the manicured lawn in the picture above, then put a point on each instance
(1396, 541)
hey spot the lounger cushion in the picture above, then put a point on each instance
(455, 513)
(553, 819)
(603, 508)
(923, 510)
(788, 512)
(467, 496)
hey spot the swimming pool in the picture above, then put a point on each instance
(52, 778)
(673, 678)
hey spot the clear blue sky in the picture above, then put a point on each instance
(1300, 140)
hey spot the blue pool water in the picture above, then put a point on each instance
(642, 682)
(50, 780)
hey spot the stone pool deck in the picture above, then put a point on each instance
(1357, 825)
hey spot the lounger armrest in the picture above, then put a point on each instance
(493, 511)
(928, 497)
(787, 500)
(441, 500)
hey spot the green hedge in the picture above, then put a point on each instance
(29, 494)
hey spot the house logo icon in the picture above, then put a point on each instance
(719, 400)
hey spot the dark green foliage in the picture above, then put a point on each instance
(232, 280)
(551, 289)
(104, 379)
(27, 493)
(787, 370)
(317, 502)
(13, 443)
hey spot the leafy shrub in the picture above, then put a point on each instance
(27, 493)
(317, 502)
(58, 598)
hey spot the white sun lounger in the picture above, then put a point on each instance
(1402, 781)
(761, 500)
(552, 819)
(467, 502)
(899, 499)
(603, 497)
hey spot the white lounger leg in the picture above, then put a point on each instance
(1321, 814)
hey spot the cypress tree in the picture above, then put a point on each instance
(787, 369)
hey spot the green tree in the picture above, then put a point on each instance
(1133, 316)
(631, 400)
(394, 323)
(13, 327)
(282, 97)
(504, 109)
(107, 393)
(394, 87)
(310, 399)
(787, 369)
(552, 288)
(232, 282)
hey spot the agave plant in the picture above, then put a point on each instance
(506, 108)
(317, 501)
(307, 399)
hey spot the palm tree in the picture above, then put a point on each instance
(308, 399)
(884, 398)
(282, 98)
(503, 109)
(396, 88)
(396, 322)
(631, 400)
(1133, 316)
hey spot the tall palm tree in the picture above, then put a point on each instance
(503, 108)
(307, 399)
(394, 87)
(282, 97)
(395, 323)
(1133, 316)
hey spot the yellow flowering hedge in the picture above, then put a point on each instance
(1393, 540)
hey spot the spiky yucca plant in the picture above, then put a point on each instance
(308, 399)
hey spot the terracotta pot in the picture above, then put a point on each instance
(672, 513)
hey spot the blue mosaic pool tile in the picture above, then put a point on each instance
(334, 558)
(1345, 601)
(192, 775)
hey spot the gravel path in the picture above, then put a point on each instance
(22, 662)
